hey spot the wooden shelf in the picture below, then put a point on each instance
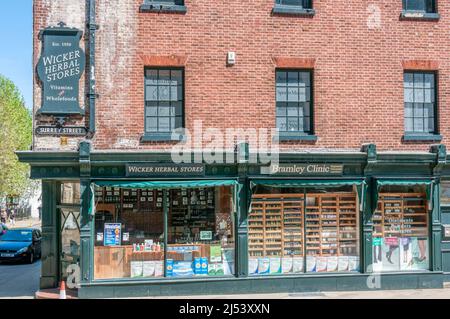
(406, 217)
(321, 226)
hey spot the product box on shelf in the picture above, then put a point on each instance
(169, 267)
(287, 265)
(136, 269)
(263, 266)
(297, 265)
(275, 265)
(253, 266)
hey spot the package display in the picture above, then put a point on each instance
(400, 237)
(200, 236)
(322, 226)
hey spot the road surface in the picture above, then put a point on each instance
(19, 280)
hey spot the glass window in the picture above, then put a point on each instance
(293, 95)
(285, 225)
(420, 92)
(130, 233)
(165, 2)
(400, 235)
(428, 6)
(164, 99)
(70, 193)
(445, 193)
(306, 4)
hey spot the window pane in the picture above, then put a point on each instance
(302, 95)
(164, 77)
(164, 124)
(429, 96)
(428, 110)
(164, 111)
(418, 80)
(152, 124)
(400, 233)
(178, 122)
(281, 78)
(281, 111)
(431, 128)
(293, 94)
(409, 80)
(292, 78)
(306, 124)
(152, 93)
(429, 80)
(293, 124)
(307, 109)
(164, 93)
(281, 94)
(281, 124)
(419, 96)
(293, 111)
(201, 233)
(409, 95)
(415, 5)
(174, 93)
(408, 109)
(152, 111)
(305, 79)
(418, 124)
(409, 124)
(418, 110)
(152, 77)
(177, 77)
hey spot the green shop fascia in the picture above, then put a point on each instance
(136, 224)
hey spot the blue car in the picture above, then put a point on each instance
(22, 244)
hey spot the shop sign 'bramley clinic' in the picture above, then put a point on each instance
(60, 69)
(304, 169)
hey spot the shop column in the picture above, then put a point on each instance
(87, 221)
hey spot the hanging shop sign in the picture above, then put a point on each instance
(61, 131)
(165, 170)
(304, 170)
(60, 69)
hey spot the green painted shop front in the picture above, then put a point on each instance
(368, 170)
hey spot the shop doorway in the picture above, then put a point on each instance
(69, 241)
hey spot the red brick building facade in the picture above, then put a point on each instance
(359, 90)
(358, 51)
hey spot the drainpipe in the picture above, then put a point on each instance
(92, 95)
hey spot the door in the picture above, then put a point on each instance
(70, 240)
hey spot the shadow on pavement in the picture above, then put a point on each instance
(19, 280)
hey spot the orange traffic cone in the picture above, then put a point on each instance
(62, 290)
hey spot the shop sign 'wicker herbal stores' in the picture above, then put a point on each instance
(331, 213)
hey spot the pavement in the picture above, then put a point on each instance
(19, 280)
(378, 294)
(29, 223)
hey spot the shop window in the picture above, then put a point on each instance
(305, 4)
(287, 225)
(70, 193)
(400, 236)
(293, 97)
(130, 233)
(164, 100)
(420, 103)
(426, 6)
(445, 193)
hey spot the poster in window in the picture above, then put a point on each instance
(112, 235)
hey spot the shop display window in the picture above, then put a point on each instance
(132, 227)
(445, 193)
(401, 235)
(287, 225)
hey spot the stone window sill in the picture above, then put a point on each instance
(293, 10)
(284, 137)
(418, 15)
(422, 137)
(163, 8)
(162, 137)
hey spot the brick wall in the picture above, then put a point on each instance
(358, 67)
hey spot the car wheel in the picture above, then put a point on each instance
(31, 258)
